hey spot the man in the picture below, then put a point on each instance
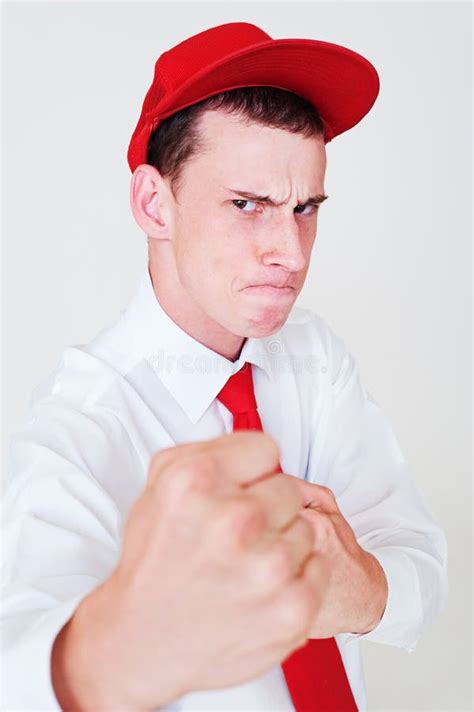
(156, 559)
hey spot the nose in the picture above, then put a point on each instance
(284, 246)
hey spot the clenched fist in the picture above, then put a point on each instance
(217, 582)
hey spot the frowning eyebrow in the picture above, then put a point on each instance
(312, 200)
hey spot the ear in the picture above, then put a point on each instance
(151, 201)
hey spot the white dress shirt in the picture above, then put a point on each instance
(80, 459)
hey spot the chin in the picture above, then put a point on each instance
(266, 323)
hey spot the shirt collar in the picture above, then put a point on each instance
(192, 373)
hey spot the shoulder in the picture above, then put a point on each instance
(67, 405)
(71, 433)
(85, 371)
(78, 377)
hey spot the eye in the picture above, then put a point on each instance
(300, 209)
(243, 205)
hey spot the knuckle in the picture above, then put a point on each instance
(269, 447)
(303, 528)
(296, 612)
(327, 526)
(159, 456)
(156, 464)
(242, 511)
(184, 475)
(305, 534)
(329, 494)
(162, 457)
(326, 489)
(290, 489)
(279, 566)
(316, 580)
(236, 523)
(162, 460)
(196, 474)
(323, 528)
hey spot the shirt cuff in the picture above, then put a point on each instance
(401, 621)
(27, 642)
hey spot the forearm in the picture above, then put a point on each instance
(81, 658)
(375, 600)
(95, 659)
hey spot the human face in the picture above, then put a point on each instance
(227, 243)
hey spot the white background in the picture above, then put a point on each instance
(391, 265)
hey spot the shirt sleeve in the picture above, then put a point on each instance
(62, 531)
(376, 492)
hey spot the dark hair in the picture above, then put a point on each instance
(176, 139)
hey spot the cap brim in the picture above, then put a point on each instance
(340, 83)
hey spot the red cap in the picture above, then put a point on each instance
(341, 84)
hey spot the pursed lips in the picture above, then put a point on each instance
(272, 290)
(275, 285)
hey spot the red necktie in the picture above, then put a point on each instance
(315, 673)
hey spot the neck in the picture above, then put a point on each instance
(189, 316)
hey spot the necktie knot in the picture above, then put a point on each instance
(237, 394)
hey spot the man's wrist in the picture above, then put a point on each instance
(376, 602)
(81, 676)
